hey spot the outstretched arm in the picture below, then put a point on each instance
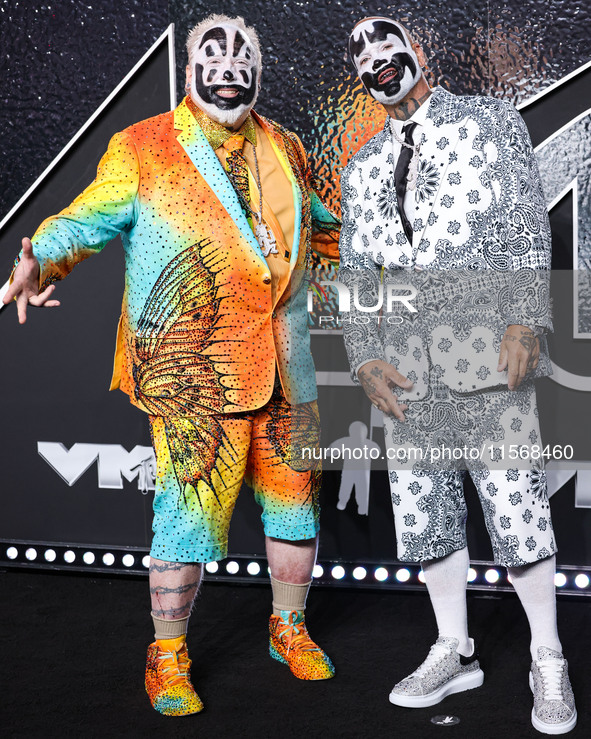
(105, 208)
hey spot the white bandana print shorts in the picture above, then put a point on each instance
(493, 435)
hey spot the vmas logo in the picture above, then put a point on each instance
(114, 463)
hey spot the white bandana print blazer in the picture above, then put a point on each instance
(481, 250)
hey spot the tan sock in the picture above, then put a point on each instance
(288, 596)
(169, 628)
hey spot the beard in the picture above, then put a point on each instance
(394, 80)
(225, 111)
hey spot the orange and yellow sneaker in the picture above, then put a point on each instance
(290, 643)
(168, 681)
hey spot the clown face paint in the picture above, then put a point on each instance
(225, 74)
(384, 59)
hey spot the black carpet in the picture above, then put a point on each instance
(73, 653)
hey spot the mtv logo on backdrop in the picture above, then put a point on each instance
(114, 463)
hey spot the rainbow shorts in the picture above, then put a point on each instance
(202, 462)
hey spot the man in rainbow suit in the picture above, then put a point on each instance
(217, 213)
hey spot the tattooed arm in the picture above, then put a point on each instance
(95, 217)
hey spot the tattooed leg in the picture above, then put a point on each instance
(173, 587)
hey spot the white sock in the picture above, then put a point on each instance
(446, 580)
(534, 584)
(289, 596)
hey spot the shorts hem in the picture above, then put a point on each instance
(301, 532)
(429, 556)
(518, 561)
(189, 554)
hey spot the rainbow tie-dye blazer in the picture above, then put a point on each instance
(198, 332)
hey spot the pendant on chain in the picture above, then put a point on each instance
(266, 239)
(413, 165)
(413, 171)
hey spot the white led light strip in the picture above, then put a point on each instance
(391, 575)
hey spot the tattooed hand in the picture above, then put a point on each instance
(378, 378)
(520, 354)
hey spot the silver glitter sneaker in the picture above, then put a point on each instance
(443, 672)
(554, 709)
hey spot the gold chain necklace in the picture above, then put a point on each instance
(262, 233)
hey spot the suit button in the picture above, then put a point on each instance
(267, 279)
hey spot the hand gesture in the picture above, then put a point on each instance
(519, 354)
(25, 285)
(378, 378)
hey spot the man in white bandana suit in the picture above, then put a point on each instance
(446, 202)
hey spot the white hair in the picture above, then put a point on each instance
(217, 19)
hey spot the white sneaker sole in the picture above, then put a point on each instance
(545, 728)
(455, 685)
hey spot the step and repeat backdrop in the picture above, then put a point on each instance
(77, 466)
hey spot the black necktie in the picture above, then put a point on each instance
(401, 174)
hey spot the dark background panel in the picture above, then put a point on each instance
(146, 94)
(533, 43)
(58, 62)
(56, 369)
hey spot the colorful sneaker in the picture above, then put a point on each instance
(290, 643)
(168, 681)
(554, 709)
(444, 672)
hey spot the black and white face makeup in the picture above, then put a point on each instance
(384, 59)
(224, 74)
